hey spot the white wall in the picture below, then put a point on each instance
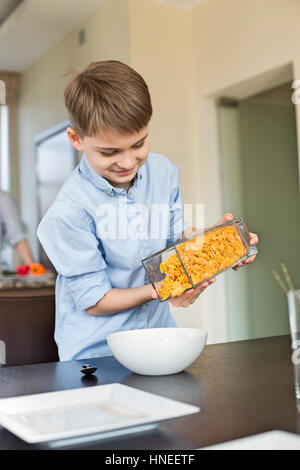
(41, 99)
(233, 43)
(162, 51)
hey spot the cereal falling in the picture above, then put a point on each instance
(203, 257)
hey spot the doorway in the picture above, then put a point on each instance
(260, 182)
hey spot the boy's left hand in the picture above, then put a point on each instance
(187, 298)
(253, 240)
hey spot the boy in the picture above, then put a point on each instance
(97, 231)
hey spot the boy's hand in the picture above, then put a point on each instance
(189, 297)
(253, 241)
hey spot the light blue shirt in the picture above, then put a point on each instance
(78, 235)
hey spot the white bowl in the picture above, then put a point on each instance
(157, 351)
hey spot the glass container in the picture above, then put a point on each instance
(194, 260)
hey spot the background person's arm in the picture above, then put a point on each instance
(24, 252)
(12, 228)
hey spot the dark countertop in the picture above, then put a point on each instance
(242, 388)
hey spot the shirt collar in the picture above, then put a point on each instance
(102, 183)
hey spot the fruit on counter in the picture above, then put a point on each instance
(37, 269)
(23, 270)
(7, 272)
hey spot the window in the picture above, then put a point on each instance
(55, 160)
(6, 249)
(4, 149)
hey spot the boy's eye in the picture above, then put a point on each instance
(106, 154)
(139, 145)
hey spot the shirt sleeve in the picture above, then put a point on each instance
(10, 219)
(70, 243)
(177, 222)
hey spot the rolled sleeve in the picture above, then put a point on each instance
(88, 289)
(70, 243)
(13, 232)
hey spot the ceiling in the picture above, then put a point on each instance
(7, 7)
(29, 29)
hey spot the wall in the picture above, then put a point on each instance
(234, 41)
(161, 50)
(41, 98)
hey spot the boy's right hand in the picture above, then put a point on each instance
(189, 297)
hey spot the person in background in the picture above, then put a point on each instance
(10, 228)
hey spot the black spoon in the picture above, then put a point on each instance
(88, 370)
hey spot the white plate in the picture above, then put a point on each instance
(273, 440)
(106, 409)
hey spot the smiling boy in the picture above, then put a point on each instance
(99, 228)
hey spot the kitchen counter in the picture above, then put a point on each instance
(27, 318)
(243, 388)
(14, 283)
(36, 291)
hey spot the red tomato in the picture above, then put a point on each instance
(23, 270)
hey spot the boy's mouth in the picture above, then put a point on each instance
(124, 172)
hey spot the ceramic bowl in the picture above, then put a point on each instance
(157, 351)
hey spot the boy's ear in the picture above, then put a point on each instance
(74, 139)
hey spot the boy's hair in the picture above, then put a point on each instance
(107, 95)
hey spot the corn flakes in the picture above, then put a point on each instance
(202, 258)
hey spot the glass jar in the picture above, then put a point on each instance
(194, 260)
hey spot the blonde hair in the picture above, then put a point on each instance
(107, 95)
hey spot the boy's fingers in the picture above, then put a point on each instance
(226, 218)
(189, 297)
(154, 294)
(250, 260)
(236, 268)
(254, 238)
(247, 261)
(202, 286)
(196, 292)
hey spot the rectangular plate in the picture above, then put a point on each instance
(100, 409)
(272, 440)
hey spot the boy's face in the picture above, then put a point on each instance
(114, 156)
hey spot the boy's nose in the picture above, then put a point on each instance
(127, 162)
